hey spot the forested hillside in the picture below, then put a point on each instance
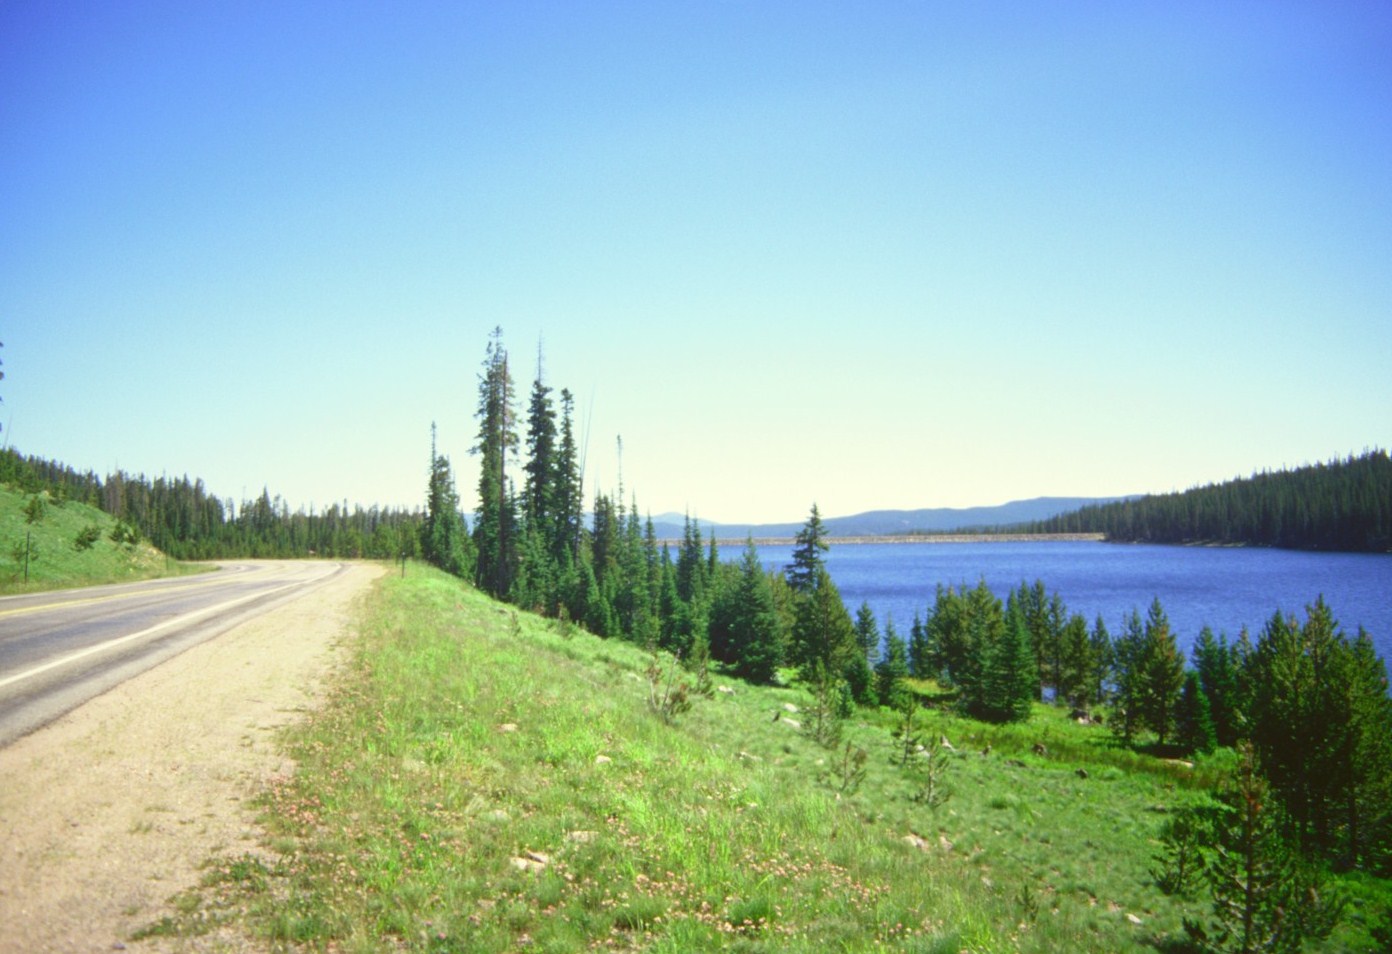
(1341, 505)
(181, 518)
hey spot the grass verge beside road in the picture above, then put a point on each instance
(483, 780)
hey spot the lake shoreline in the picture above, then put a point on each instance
(921, 538)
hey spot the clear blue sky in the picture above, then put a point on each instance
(876, 255)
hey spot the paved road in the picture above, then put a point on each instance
(59, 649)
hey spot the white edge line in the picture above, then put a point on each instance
(112, 644)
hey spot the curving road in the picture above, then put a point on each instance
(59, 649)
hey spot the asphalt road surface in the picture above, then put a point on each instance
(59, 649)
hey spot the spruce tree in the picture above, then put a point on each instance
(1127, 658)
(859, 675)
(604, 539)
(635, 600)
(756, 632)
(540, 506)
(444, 541)
(980, 673)
(495, 530)
(892, 669)
(1054, 650)
(1008, 682)
(922, 662)
(597, 613)
(1161, 673)
(1263, 897)
(692, 613)
(1102, 662)
(861, 681)
(1034, 605)
(568, 492)
(1281, 680)
(823, 635)
(1076, 668)
(669, 602)
(1215, 663)
(810, 546)
(949, 637)
(1367, 802)
(1320, 722)
(691, 566)
(1194, 730)
(867, 631)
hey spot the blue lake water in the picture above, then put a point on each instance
(1223, 588)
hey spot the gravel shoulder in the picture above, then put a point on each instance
(110, 811)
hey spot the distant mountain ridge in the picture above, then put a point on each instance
(878, 523)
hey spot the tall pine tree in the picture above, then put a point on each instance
(495, 529)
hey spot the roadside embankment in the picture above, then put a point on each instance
(111, 810)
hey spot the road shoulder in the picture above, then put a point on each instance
(109, 812)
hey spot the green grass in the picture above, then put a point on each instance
(478, 781)
(56, 562)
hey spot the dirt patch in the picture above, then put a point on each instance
(110, 811)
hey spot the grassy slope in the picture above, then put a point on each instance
(467, 742)
(58, 563)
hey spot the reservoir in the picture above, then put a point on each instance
(1225, 588)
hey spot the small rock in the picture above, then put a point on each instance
(1132, 918)
(508, 727)
(602, 760)
(944, 843)
(499, 816)
(792, 723)
(789, 707)
(581, 837)
(528, 864)
(914, 841)
(725, 689)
